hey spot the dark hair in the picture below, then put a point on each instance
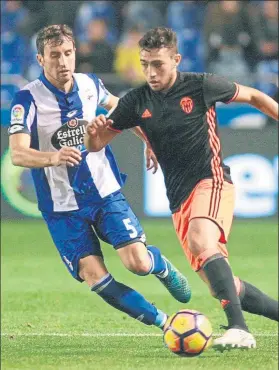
(53, 34)
(159, 37)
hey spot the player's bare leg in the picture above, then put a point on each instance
(203, 236)
(144, 261)
(93, 270)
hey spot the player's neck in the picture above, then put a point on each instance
(66, 87)
(171, 83)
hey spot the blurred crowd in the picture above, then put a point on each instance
(235, 39)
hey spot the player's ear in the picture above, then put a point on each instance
(40, 59)
(177, 59)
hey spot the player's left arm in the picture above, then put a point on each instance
(257, 99)
(217, 88)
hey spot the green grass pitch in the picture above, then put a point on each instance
(50, 321)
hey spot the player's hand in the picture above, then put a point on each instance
(151, 160)
(98, 124)
(69, 156)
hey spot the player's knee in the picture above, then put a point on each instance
(203, 234)
(197, 242)
(213, 294)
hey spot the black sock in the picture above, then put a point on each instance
(220, 276)
(256, 302)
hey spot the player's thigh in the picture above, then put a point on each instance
(202, 234)
(74, 239)
(198, 238)
(118, 225)
(211, 214)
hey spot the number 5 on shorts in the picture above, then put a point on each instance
(130, 227)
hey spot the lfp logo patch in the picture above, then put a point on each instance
(17, 114)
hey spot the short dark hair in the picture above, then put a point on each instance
(53, 34)
(159, 37)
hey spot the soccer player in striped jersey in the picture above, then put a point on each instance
(176, 112)
(79, 193)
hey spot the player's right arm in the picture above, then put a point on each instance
(24, 156)
(23, 116)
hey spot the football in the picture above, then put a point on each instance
(188, 333)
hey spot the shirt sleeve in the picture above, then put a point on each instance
(216, 88)
(23, 112)
(103, 93)
(125, 115)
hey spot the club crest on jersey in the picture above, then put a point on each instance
(187, 104)
(72, 123)
(17, 114)
(70, 134)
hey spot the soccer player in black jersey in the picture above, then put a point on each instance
(176, 111)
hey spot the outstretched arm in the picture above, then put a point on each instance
(259, 100)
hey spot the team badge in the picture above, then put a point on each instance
(187, 104)
(17, 114)
(72, 123)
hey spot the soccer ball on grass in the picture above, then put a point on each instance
(188, 333)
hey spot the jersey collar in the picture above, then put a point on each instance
(54, 89)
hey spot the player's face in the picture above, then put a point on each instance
(58, 62)
(159, 67)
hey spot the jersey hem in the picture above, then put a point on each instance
(175, 209)
(114, 129)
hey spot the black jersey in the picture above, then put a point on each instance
(181, 126)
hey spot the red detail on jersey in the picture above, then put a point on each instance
(235, 94)
(146, 114)
(72, 123)
(216, 167)
(187, 104)
(113, 129)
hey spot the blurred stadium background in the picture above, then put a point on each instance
(236, 39)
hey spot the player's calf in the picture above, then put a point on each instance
(203, 237)
(256, 302)
(129, 301)
(92, 269)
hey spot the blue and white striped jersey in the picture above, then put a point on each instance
(53, 119)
